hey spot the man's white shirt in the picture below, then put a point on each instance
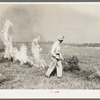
(56, 48)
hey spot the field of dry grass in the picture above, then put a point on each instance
(25, 77)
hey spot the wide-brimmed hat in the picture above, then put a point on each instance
(61, 38)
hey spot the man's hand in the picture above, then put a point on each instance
(57, 58)
(62, 58)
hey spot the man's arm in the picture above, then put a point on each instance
(53, 50)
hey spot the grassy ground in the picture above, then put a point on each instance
(25, 77)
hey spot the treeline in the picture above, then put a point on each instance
(68, 44)
(79, 44)
(84, 44)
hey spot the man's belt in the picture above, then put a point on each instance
(55, 58)
(57, 53)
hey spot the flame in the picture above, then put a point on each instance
(21, 55)
(36, 50)
(10, 51)
(7, 40)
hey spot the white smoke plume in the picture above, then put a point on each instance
(7, 39)
(10, 51)
(36, 49)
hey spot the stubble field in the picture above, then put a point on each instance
(25, 77)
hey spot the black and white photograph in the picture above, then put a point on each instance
(50, 46)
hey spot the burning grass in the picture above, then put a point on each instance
(20, 55)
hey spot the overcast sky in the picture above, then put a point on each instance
(79, 23)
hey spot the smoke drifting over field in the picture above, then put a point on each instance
(25, 22)
(76, 22)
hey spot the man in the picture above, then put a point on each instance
(56, 58)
